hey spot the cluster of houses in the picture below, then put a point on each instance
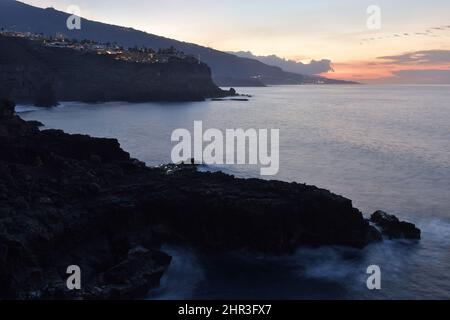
(27, 35)
(138, 55)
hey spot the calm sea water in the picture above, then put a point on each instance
(385, 147)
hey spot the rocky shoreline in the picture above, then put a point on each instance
(76, 200)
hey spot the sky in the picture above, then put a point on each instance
(411, 45)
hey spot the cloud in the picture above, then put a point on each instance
(312, 68)
(430, 32)
(420, 57)
(421, 76)
(418, 67)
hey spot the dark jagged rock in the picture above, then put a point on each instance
(131, 278)
(135, 276)
(46, 96)
(36, 123)
(393, 228)
(72, 199)
(7, 108)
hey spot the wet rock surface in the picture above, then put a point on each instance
(393, 228)
(7, 108)
(76, 200)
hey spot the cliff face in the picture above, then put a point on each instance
(33, 73)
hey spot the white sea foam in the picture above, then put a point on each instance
(25, 108)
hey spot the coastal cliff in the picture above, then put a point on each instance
(72, 199)
(36, 74)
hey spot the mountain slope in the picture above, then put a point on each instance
(227, 69)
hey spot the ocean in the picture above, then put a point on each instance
(384, 147)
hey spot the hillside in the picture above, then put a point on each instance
(227, 69)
